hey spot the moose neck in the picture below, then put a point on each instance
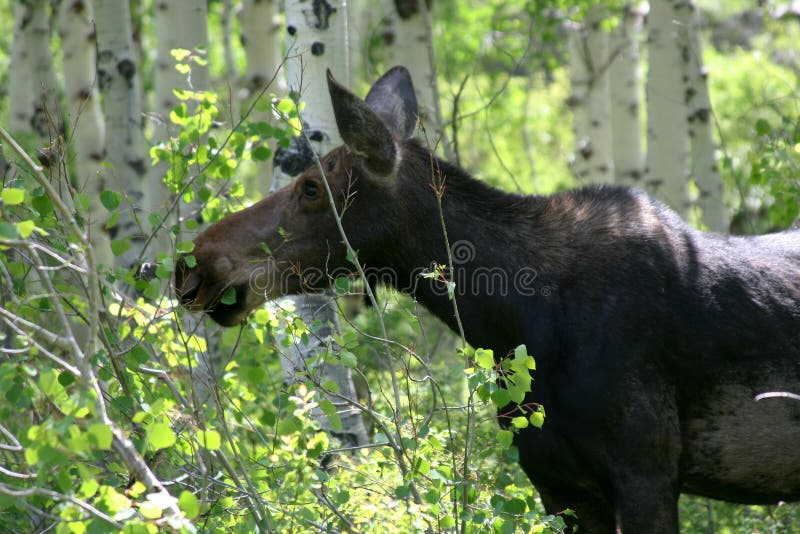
(493, 236)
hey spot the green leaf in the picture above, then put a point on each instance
(120, 246)
(150, 510)
(153, 289)
(65, 378)
(341, 284)
(210, 439)
(160, 436)
(519, 422)
(484, 358)
(287, 425)
(89, 487)
(8, 230)
(189, 505)
(262, 153)
(184, 247)
(25, 228)
(191, 261)
(500, 397)
(100, 436)
(402, 492)
(514, 506)
(180, 53)
(229, 296)
(537, 418)
(331, 386)
(285, 105)
(348, 358)
(330, 410)
(82, 202)
(136, 490)
(505, 438)
(42, 204)
(110, 199)
(12, 196)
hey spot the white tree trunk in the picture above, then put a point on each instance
(119, 82)
(33, 91)
(667, 135)
(260, 30)
(86, 129)
(358, 28)
(179, 24)
(702, 146)
(317, 40)
(626, 77)
(591, 99)
(413, 48)
(231, 72)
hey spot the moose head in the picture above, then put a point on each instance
(289, 242)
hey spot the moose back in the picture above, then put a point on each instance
(652, 339)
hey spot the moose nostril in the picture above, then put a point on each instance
(187, 282)
(187, 291)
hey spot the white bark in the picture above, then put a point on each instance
(626, 77)
(413, 48)
(84, 119)
(591, 99)
(358, 28)
(667, 135)
(179, 24)
(702, 146)
(260, 30)
(231, 72)
(317, 40)
(119, 82)
(33, 91)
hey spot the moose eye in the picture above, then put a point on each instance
(310, 189)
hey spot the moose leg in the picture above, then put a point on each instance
(595, 515)
(648, 503)
(645, 466)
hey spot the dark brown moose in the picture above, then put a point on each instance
(652, 339)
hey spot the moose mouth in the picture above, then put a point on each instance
(226, 304)
(225, 307)
(229, 314)
(229, 304)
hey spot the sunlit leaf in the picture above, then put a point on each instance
(12, 196)
(484, 358)
(519, 422)
(189, 505)
(210, 439)
(100, 435)
(160, 436)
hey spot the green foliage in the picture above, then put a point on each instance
(251, 454)
(759, 124)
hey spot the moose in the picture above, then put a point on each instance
(666, 356)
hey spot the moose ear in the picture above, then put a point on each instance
(362, 129)
(393, 98)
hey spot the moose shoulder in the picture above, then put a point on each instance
(651, 338)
